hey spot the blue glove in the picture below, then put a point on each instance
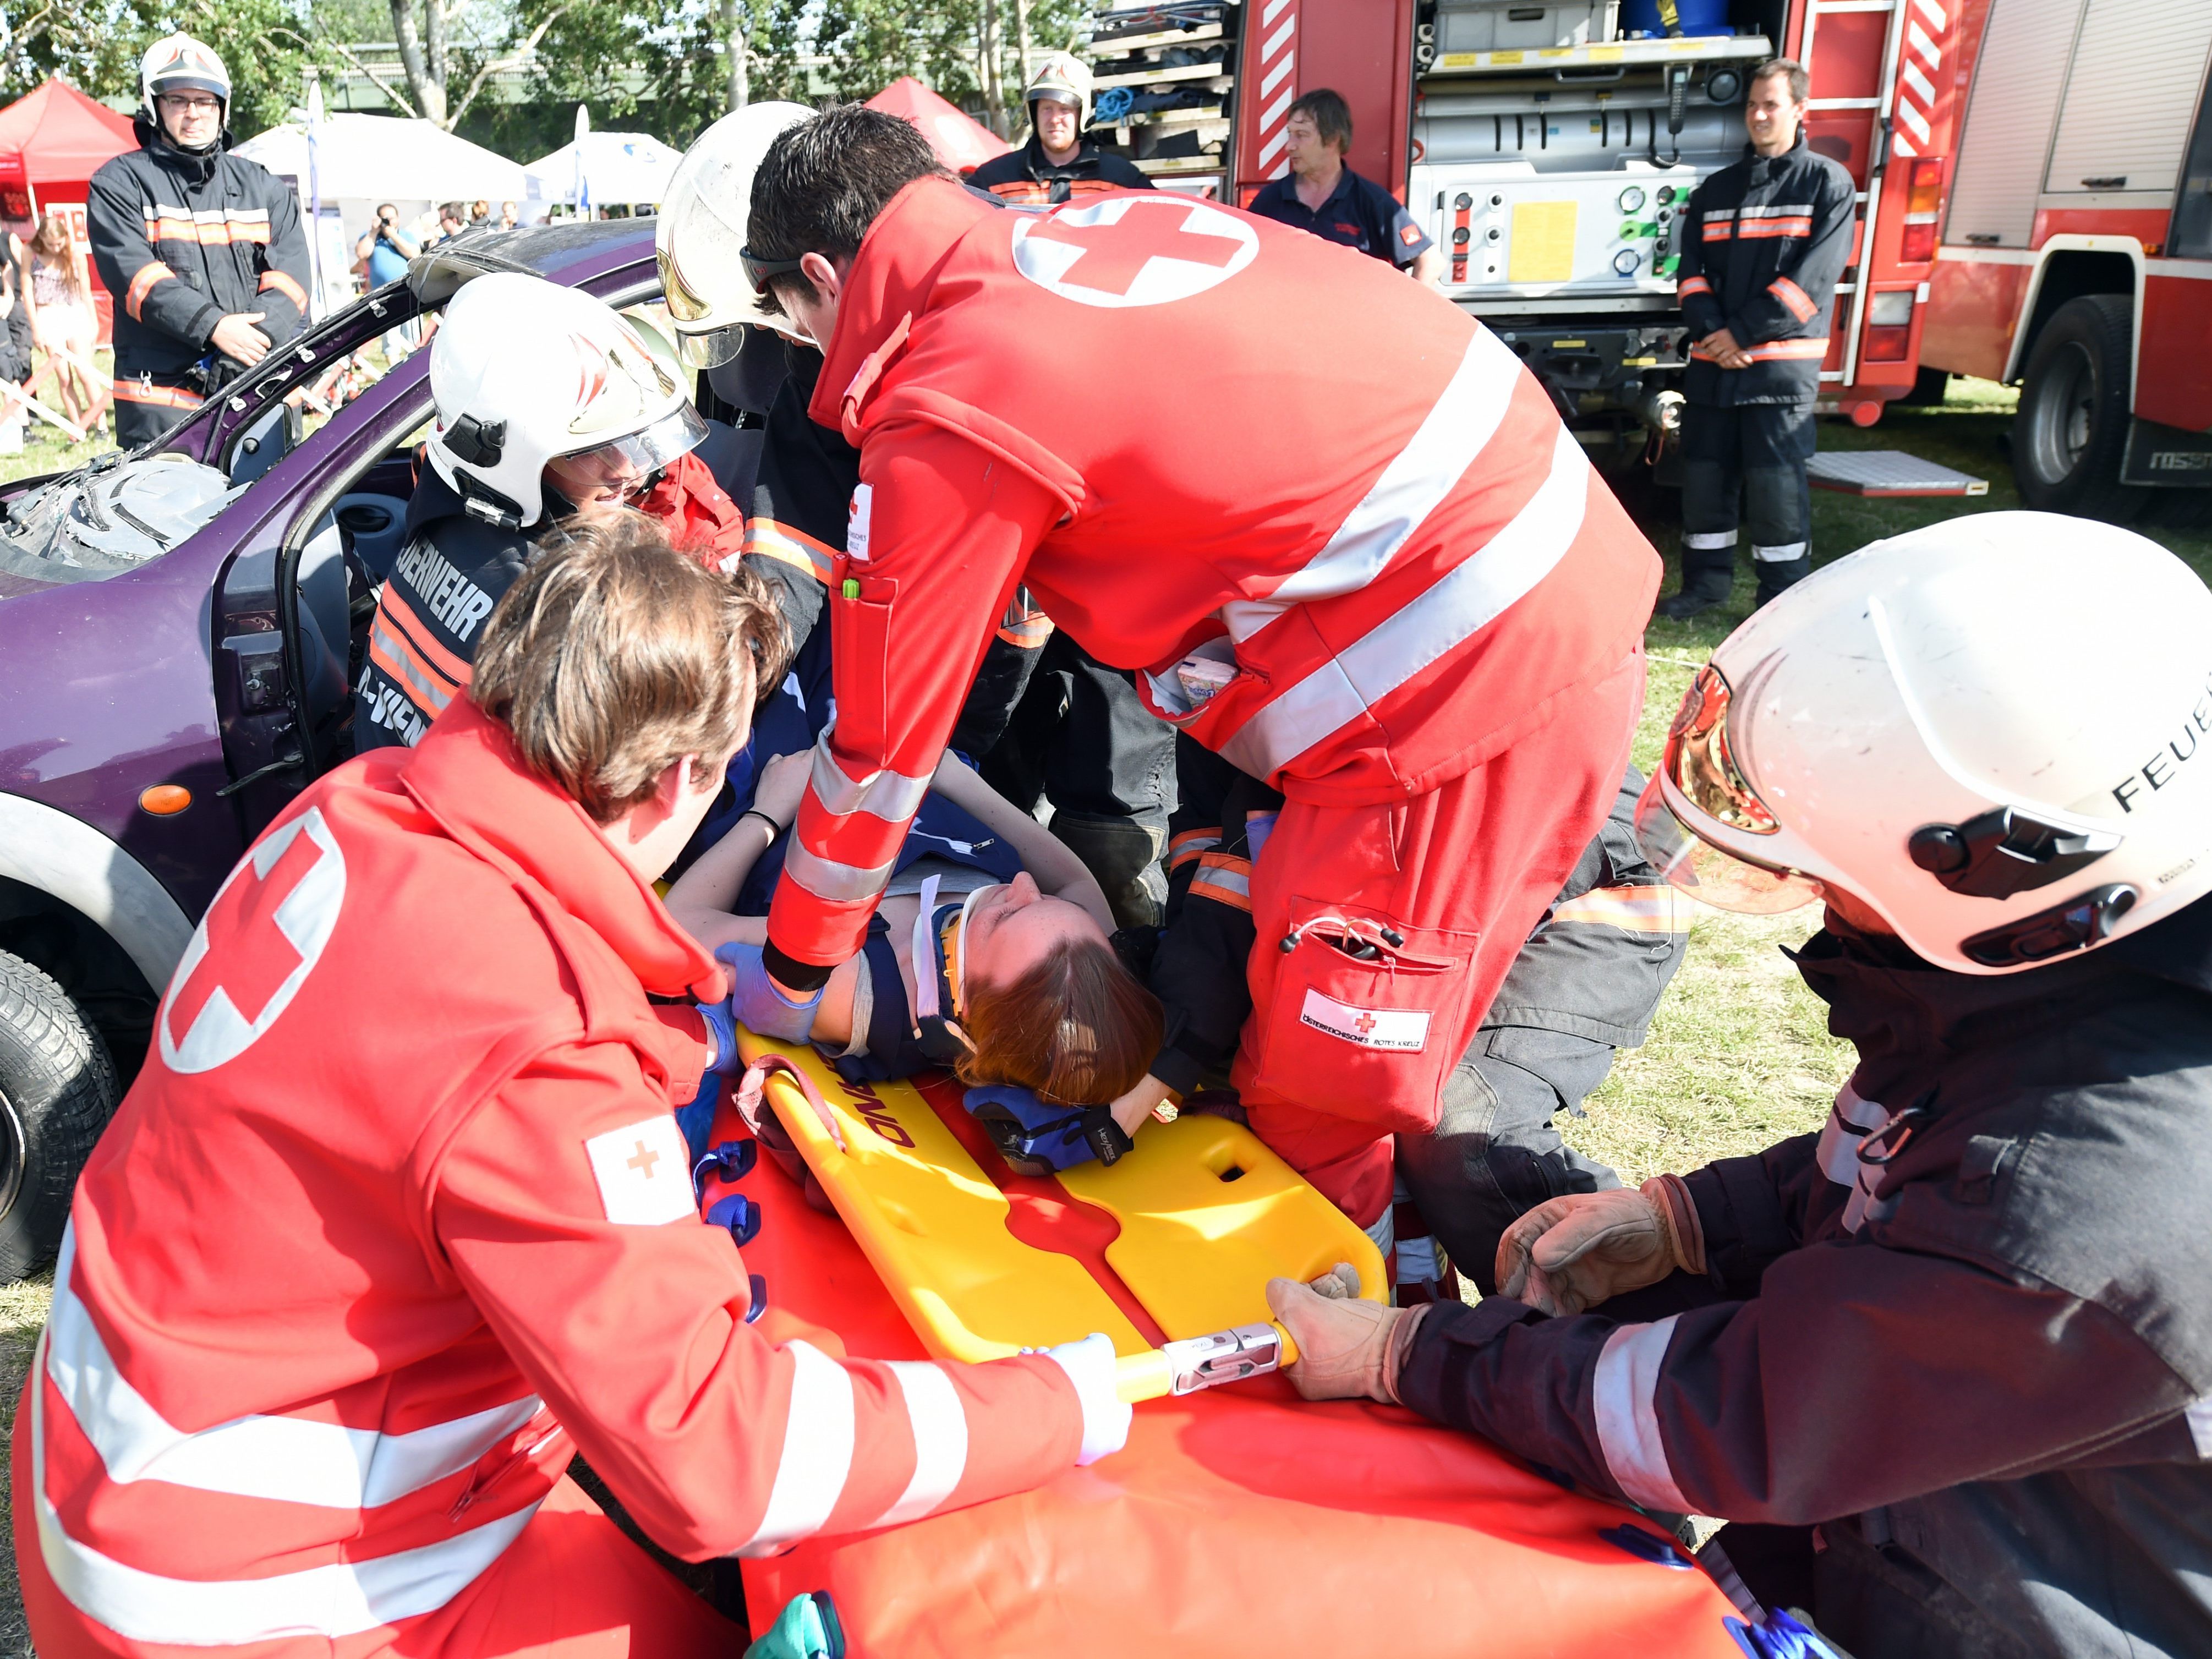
(721, 1038)
(756, 1004)
(1036, 1138)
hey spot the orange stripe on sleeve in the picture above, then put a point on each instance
(1799, 302)
(134, 298)
(285, 286)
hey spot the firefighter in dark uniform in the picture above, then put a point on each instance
(1044, 719)
(1764, 242)
(1944, 1366)
(1322, 195)
(1058, 164)
(547, 401)
(1583, 985)
(202, 249)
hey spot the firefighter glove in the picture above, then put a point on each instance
(1569, 1255)
(1347, 1347)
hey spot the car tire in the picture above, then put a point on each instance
(57, 1092)
(2073, 422)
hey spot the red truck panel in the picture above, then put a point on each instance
(2173, 385)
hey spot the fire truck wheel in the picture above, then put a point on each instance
(2073, 419)
(57, 1092)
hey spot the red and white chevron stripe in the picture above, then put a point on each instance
(1275, 67)
(1919, 65)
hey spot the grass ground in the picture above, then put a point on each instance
(1739, 1054)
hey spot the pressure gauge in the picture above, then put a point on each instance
(1463, 200)
(1632, 199)
(1626, 261)
(1666, 194)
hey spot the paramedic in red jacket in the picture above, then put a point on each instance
(1392, 588)
(396, 1220)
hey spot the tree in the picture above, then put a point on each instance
(96, 44)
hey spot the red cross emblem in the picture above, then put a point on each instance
(266, 928)
(1364, 1023)
(1133, 250)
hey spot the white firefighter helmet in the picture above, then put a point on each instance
(1995, 732)
(525, 372)
(177, 63)
(701, 228)
(1065, 78)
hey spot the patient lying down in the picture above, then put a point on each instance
(1006, 982)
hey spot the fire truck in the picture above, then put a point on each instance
(2077, 252)
(1549, 149)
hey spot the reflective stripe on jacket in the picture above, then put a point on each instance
(1408, 561)
(183, 240)
(1763, 244)
(397, 1218)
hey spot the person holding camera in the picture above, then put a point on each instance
(388, 248)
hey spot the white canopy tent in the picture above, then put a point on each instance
(362, 160)
(616, 167)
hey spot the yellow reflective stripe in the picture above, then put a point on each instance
(1638, 910)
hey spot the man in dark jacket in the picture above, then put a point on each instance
(202, 249)
(1584, 985)
(1762, 243)
(1944, 1366)
(1058, 164)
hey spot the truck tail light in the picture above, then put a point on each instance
(1889, 325)
(1923, 201)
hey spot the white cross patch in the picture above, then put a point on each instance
(1131, 250)
(1404, 1030)
(644, 1172)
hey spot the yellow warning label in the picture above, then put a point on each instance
(1543, 243)
(1607, 54)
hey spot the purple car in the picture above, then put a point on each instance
(180, 631)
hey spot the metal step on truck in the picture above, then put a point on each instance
(1549, 150)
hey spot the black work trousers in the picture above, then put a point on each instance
(1081, 739)
(1744, 468)
(139, 420)
(1495, 1153)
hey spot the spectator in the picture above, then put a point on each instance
(479, 212)
(14, 348)
(1058, 162)
(453, 220)
(58, 295)
(388, 248)
(1328, 198)
(1765, 245)
(508, 218)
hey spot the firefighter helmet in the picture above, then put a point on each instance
(177, 63)
(1996, 734)
(1065, 79)
(702, 229)
(525, 372)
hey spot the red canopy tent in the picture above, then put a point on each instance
(961, 143)
(52, 140)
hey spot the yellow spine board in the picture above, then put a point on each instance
(933, 1225)
(1207, 1215)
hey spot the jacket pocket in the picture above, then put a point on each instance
(860, 634)
(1360, 1026)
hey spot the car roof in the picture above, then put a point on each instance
(570, 252)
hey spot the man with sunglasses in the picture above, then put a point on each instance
(1945, 1366)
(203, 250)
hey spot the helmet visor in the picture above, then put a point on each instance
(1712, 874)
(624, 465)
(715, 345)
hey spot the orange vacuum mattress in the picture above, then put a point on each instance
(1237, 1519)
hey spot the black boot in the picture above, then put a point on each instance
(1124, 854)
(1699, 595)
